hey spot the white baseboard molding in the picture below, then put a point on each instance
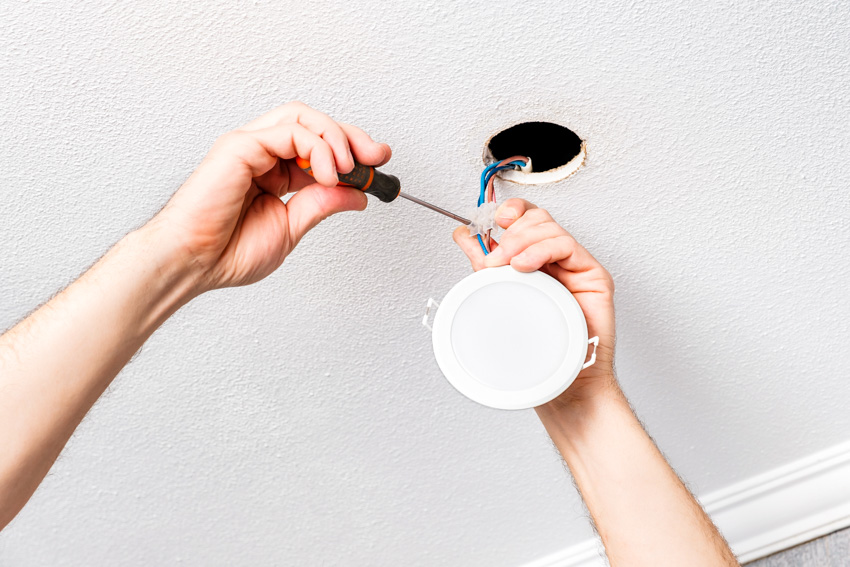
(763, 514)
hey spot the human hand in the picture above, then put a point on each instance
(534, 241)
(228, 219)
(592, 423)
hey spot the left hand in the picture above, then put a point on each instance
(534, 241)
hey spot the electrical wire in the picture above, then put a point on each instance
(487, 191)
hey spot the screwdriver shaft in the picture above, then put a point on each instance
(434, 208)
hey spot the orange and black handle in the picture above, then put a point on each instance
(367, 179)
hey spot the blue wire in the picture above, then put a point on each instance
(489, 172)
(484, 179)
(496, 170)
(492, 170)
(486, 175)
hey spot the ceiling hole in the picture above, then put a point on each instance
(556, 152)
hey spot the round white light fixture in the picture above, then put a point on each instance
(510, 340)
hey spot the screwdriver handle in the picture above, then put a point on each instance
(366, 178)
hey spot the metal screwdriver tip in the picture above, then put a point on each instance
(434, 208)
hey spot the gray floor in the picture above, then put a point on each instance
(832, 550)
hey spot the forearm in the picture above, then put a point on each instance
(56, 363)
(642, 511)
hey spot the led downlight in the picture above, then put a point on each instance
(510, 340)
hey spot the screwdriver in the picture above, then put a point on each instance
(384, 187)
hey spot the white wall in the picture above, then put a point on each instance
(303, 421)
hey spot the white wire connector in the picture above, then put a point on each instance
(483, 219)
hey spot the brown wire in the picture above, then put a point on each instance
(490, 191)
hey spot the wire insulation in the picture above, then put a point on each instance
(487, 190)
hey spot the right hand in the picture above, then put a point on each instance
(228, 220)
(534, 241)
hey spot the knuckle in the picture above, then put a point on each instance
(509, 246)
(334, 134)
(565, 242)
(562, 245)
(539, 215)
(233, 143)
(554, 228)
(288, 113)
(322, 148)
(228, 139)
(240, 145)
(322, 204)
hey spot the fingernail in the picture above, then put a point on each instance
(507, 213)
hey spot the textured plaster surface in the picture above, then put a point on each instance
(303, 421)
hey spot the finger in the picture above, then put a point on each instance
(317, 122)
(511, 210)
(259, 150)
(594, 280)
(314, 203)
(250, 197)
(470, 247)
(516, 242)
(323, 125)
(298, 178)
(281, 114)
(277, 180)
(365, 149)
(529, 218)
(563, 250)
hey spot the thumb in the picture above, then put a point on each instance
(314, 203)
(511, 210)
(471, 247)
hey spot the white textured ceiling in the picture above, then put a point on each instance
(303, 421)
